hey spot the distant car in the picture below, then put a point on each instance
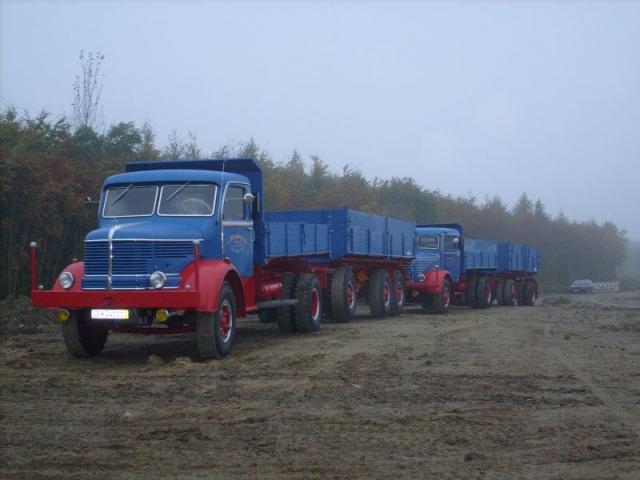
(582, 286)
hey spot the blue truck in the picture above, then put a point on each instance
(451, 269)
(185, 246)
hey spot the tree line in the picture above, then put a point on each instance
(48, 167)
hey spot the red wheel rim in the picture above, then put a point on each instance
(514, 295)
(226, 321)
(386, 294)
(487, 294)
(315, 304)
(350, 295)
(399, 293)
(446, 297)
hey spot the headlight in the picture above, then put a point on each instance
(421, 277)
(66, 280)
(157, 280)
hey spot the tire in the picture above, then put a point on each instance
(216, 331)
(484, 294)
(399, 297)
(81, 337)
(268, 315)
(442, 300)
(380, 290)
(308, 311)
(529, 294)
(510, 293)
(520, 289)
(343, 295)
(500, 292)
(284, 315)
(472, 284)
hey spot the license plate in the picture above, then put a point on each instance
(110, 314)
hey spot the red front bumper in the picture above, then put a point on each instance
(171, 299)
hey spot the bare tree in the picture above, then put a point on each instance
(87, 91)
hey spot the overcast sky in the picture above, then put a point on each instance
(482, 98)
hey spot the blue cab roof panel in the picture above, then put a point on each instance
(175, 175)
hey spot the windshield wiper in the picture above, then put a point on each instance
(182, 187)
(126, 190)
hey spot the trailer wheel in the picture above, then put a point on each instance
(472, 284)
(268, 315)
(81, 337)
(399, 297)
(500, 292)
(343, 295)
(308, 310)
(529, 294)
(442, 301)
(510, 293)
(216, 331)
(284, 315)
(380, 293)
(520, 290)
(484, 294)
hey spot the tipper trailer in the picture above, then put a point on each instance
(451, 269)
(185, 246)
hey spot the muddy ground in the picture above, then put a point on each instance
(551, 391)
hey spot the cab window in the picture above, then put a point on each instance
(428, 241)
(234, 207)
(451, 242)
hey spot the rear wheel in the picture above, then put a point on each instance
(520, 291)
(81, 336)
(284, 315)
(484, 294)
(399, 294)
(380, 293)
(442, 301)
(216, 331)
(530, 294)
(510, 293)
(343, 295)
(500, 292)
(472, 284)
(308, 310)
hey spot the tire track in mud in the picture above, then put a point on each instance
(615, 407)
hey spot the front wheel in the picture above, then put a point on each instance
(82, 338)
(216, 331)
(442, 300)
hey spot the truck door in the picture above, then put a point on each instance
(451, 256)
(237, 228)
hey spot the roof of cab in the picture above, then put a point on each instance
(164, 176)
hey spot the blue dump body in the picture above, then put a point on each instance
(330, 235)
(516, 257)
(480, 255)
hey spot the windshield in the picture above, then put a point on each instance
(130, 201)
(428, 241)
(187, 199)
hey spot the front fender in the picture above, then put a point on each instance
(211, 275)
(77, 270)
(434, 279)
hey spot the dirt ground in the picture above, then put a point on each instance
(546, 392)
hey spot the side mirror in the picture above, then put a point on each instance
(456, 240)
(248, 198)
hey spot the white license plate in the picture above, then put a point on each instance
(110, 314)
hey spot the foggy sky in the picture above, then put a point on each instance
(486, 99)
